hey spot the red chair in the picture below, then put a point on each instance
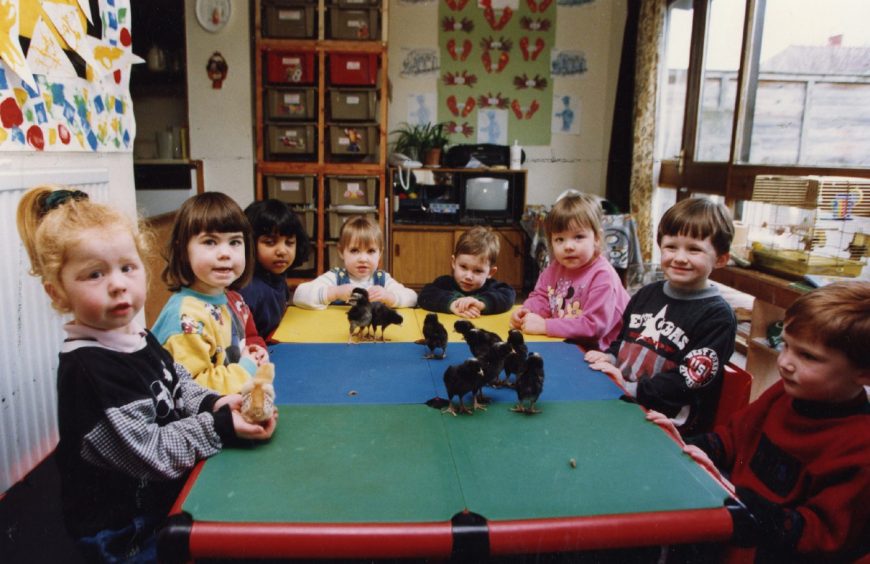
(735, 393)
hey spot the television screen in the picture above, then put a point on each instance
(483, 193)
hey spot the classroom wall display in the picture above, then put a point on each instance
(566, 114)
(68, 89)
(421, 108)
(495, 80)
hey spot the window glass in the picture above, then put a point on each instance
(812, 95)
(719, 80)
(673, 92)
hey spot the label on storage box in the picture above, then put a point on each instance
(291, 61)
(357, 23)
(351, 100)
(344, 140)
(288, 15)
(290, 186)
(292, 99)
(290, 133)
(353, 65)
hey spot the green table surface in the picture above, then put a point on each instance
(412, 463)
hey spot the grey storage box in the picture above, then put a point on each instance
(296, 190)
(354, 105)
(291, 103)
(352, 190)
(356, 140)
(308, 218)
(310, 264)
(354, 23)
(291, 139)
(289, 19)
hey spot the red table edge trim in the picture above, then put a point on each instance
(185, 490)
(321, 540)
(410, 540)
(610, 531)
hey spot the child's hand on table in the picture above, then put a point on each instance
(609, 369)
(467, 307)
(381, 294)
(242, 428)
(694, 452)
(533, 324)
(517, 318)
(596, 356)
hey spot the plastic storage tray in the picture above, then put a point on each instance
(352, 190)
(360, 24)
(335, 219)
(291, 139)
(353, 139)
(353, 69)
(297, 190)
(354, 105)
(291, 103)
(290, 67)
(289, 19)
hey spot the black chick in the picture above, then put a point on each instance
(530, 384)
(492, 363)
(462, 379)
(516, 361)
(435, 335)
(382, 317)
(360, 313)
(479, 340)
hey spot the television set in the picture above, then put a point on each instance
(490, 198)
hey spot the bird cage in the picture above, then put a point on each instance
(809, 225)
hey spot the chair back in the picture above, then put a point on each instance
(736, 386)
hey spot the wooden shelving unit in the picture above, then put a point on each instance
(321, 164)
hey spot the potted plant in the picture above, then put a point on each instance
(435, 143)
(422, 142)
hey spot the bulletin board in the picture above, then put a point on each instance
(64, 76)
(495, 84)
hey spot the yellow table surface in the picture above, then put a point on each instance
(330, 326)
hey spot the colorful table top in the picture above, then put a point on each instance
(390, 480)
(330, 326)
(398, 373)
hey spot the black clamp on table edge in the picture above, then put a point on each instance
(745, 526)
(173, 539)
(470, 537)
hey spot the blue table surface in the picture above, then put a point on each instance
(392, 373)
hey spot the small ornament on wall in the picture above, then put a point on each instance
(217, 69)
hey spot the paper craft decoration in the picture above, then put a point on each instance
(45, 103)
(495, 70)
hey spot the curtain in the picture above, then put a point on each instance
(650, 34)
(631, 174)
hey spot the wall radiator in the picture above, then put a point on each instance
(30, 330)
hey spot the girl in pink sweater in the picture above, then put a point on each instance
(578, 296)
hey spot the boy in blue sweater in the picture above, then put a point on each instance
(471, 291)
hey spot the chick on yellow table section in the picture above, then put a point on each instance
(331, 326)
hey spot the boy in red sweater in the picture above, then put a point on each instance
(799, 456)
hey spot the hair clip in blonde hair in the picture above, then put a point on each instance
(59, 197)
(566, 193)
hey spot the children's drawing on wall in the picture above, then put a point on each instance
(419, 61)
(566, 114)
(492, 126)
(54, 102)
(495, 69)
(421, 108)
(568, 63)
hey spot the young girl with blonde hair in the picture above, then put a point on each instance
(579, 296)
(132, 423)
(360, 245)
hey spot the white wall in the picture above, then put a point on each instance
(569, 161)
(221, 121)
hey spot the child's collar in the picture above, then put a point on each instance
(83, 336)
(823, 410)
